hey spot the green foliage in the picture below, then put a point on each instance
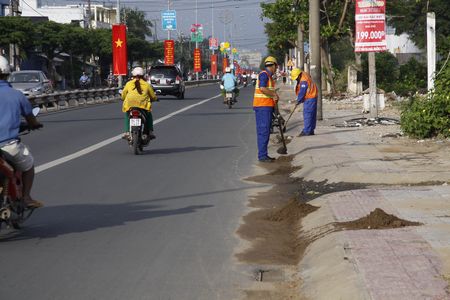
(387, 70)
(430, 116)
(410, 16)
(136, 22)
(412, 78)
(16, 30)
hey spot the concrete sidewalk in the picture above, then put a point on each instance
(404, 178)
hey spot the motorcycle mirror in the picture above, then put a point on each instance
(221, 87)
(120, 91)
(36, 110)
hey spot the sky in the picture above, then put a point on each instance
(245, 29)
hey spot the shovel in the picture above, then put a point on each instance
(290, 115)
(283, 148)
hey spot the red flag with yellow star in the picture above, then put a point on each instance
(119, 46)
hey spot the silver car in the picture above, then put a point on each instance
(30, 82)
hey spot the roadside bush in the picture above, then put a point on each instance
(412, 78)
(426, 117)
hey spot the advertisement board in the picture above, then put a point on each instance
(213, 44)
(169, 20)
(370, 31)
(197, 60)
(169, 48)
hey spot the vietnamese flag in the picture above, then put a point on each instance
(213, 64)
(119, 49)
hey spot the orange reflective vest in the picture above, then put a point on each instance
(261, 99)
(311, 92)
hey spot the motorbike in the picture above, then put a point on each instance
(84, 84)
(254, 81)
(245, 81)
(138, 137)
(13, 210)
(229, 97)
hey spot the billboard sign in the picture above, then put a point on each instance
(197, 60)
(213, 44)
(169, 20)
(370, 25)
(169, 47)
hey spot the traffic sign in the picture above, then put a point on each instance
(169, 20)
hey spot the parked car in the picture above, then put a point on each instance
(167, 80)
(30, 82)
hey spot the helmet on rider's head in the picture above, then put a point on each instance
(5, 69)
(295, 73)
(138, 71)
(270, 60)
(227, 70)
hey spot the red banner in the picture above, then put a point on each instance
(197, 60)
(119, 46)
(213, 64)
(370, 29)
(224, 64)
(169, 48)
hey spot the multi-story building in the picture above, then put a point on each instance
(101, 16)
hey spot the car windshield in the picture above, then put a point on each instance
(24, 77)
(163, 72)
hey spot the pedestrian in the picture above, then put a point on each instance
(306, 91)
(264, 102)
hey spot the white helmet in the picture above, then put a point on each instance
(227, 70)
(138, 71)
(4, 66)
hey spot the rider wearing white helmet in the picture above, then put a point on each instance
(13, 106)
(138, 93)
(229, 83)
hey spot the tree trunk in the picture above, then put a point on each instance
(326, 66)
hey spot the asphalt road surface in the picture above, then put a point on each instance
(118, 226)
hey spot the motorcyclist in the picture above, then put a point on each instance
(138, 93)
(13, 106)
(229, 83)
(84, 80)
(245, 78)
(111, 79)
(254, 76)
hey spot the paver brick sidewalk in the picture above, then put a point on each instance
(405, 263)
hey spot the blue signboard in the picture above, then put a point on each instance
(169, 20)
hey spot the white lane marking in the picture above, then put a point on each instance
(106, 142)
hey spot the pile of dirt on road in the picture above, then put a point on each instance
(377, 219)
(292, 212)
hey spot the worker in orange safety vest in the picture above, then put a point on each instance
(264, 101)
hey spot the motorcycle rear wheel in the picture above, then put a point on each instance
(136, 139)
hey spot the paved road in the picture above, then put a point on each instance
(118, 226)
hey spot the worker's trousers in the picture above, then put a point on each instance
(263, 122)
(309, 116)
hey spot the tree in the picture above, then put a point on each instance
(17, 30)
(409, 16)
(136, 22)
(48, 39)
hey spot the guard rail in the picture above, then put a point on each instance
(74, 98)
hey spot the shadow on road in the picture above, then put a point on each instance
(183, 149)
(84, 120)
(65, 219)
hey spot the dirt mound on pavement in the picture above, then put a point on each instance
(377, 219)
(292, 212)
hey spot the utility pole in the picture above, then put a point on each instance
(196, 23)
(373, 86)
(89, 14)
(168, 30)
(301, 51)
(431, 49)
(314, 38)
